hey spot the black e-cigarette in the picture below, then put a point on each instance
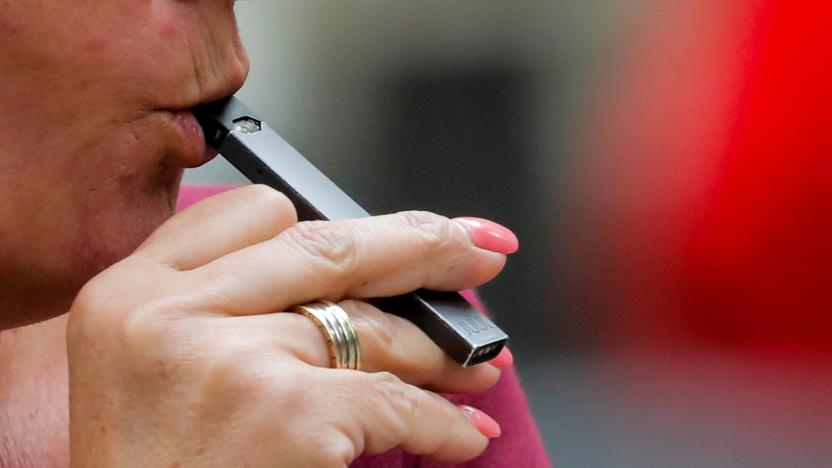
(261, 155)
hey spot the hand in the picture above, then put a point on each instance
(178, 357)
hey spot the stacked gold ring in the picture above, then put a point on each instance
(340, 336)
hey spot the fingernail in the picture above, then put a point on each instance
(489, 235)
(483, 422)
(504, 360)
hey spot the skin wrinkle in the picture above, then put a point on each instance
(23, 443)
(216, 64)
(155, 370)
(125, 61)
(212, 42)
(135, 47)
(196, 69)
(92, 168)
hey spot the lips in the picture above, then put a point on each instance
(191, 149)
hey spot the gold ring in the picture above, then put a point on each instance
(340, 336)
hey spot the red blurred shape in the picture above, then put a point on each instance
(759, 261)
(711, 190)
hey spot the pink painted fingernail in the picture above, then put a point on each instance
(483, 422)
(489, 235)
(504, 360)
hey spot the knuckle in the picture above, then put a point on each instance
(387, 383)
(445, 410)
(246, 372)
(148, 334)
(452, 430)
(139, 329)
(85, 320)
(336, 450)
(229, 373)
(410, 400)
(90, 298)
(224, 367)
(233, 378)
(434, 232)
(372, 323)
(325, 243)
(402, 400)
(267, 200)
(109, 314)
(103, 303)
(300, 338)
(142, 338)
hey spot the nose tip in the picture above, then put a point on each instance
(238, 70)
(220, 61)
(241, 63)
(231, 65)
(238, 74)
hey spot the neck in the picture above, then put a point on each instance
(33, 395)
(26, 304)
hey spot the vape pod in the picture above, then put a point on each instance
(262, 156)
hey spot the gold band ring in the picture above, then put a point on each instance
(340, 336)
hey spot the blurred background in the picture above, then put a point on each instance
(666, 165)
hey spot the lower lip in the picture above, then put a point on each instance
(194, 150)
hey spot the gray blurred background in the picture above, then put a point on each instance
(463, 108)
(492, 108)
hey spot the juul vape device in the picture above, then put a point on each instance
(262, 156)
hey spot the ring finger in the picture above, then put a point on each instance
(388, 343)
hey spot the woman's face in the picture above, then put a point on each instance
(94, 132)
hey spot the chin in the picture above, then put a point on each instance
(114, 223)
(111, 235)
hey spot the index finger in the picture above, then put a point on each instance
(219, 225)
(380, 256)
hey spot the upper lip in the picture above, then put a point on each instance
(225, 87)
(214, 96)
(203, 100)
(194, 160)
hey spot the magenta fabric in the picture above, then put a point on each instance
(519, 446)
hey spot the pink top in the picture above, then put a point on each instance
(519, 446)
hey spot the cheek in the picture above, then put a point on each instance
(126, 191)
(64, 63)
(134, 49)
(117, 216)
(160, 61)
